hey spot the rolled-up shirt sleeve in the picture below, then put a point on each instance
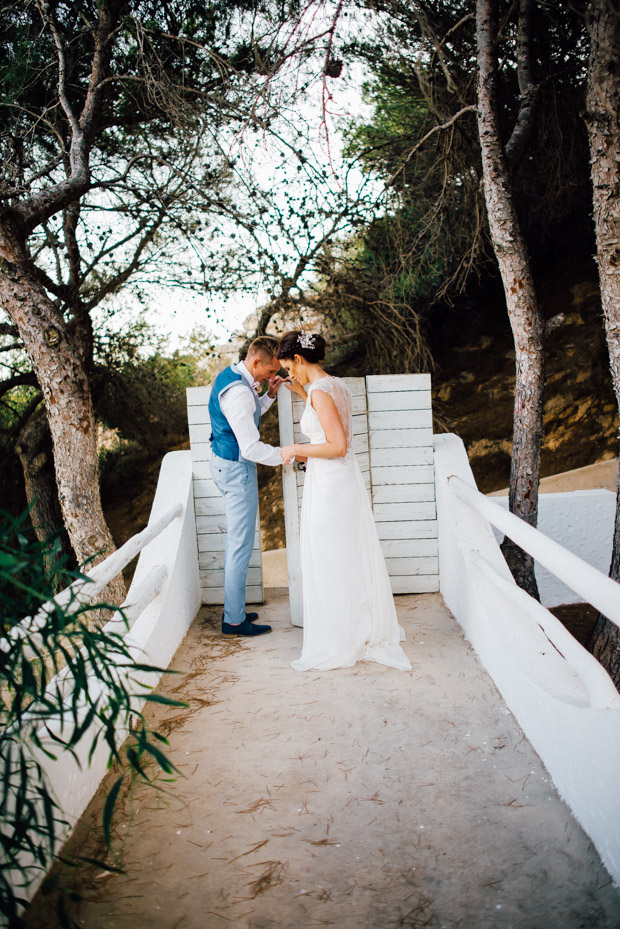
(238, 406)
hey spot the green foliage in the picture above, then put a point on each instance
(432, 239)
(70, 684)
(140, 392)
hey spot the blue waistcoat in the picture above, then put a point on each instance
(223, 441)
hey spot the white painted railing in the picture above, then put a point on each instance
(85, 590)
(594, 586)
(563, 699)
(162, 601)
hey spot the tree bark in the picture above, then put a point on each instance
(603, 121)
(60, 374)
(34, 450)
(525, 318)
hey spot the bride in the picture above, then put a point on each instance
(349, 612)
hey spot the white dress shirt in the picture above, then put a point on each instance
(238, 406)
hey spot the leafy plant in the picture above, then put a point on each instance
(64, 683)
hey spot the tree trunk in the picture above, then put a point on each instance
(525, 318)
(34, 449)
(603, 119)
(63, 383)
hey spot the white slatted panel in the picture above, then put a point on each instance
(402, 476)
(209, 507)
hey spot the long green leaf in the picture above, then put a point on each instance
(165, 701)
(108, 809)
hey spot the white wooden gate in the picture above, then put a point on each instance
(393, 439)
(209, 507)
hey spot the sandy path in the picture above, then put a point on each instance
(364, 798)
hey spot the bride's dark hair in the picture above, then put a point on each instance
(310, 345)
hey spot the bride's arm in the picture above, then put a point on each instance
(335, 445)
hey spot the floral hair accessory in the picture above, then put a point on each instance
(306, 339)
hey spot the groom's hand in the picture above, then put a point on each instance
(274, 383)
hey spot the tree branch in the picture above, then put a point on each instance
(43, 204)
(472, 108)
(529, 90)
(26, 379)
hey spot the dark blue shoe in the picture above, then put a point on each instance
(244, 629)
(249, 617)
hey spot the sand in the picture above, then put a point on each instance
(363, 798)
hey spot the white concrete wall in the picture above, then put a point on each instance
(157, 632)
(550, 697)
(583, 522)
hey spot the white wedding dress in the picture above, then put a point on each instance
(349, 612)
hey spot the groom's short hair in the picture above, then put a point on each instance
(265, 346)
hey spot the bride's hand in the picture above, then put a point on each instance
(288, 453)
(295, 387)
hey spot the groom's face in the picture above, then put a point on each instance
(264, 370)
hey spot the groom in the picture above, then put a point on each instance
(236, 409)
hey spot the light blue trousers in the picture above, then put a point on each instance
(237, 483)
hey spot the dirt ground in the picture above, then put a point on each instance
(364, 798)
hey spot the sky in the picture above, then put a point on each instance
(176, 312)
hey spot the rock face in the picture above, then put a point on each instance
(474, 381)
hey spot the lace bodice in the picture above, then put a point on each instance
(310, 424)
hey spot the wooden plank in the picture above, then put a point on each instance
(401, 438)
(420, 584)
(403, 400)
(360, 443)
(409, 548)
(400, 419)
(408, 529)
(394, 512)
(358, 405)
(201, 451)
(205, 488)
(393, 457)
(199, 433)
(198, 396)
(403, 493)
(356, 386)
(213, 596)
(410, 567)
(212, 534)
(211, 524)
(210, 561)
(201, 470)
(390, 382)
(215, 577)
(197, 415)
(209, 506)
(211, 541)
(405, 474)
